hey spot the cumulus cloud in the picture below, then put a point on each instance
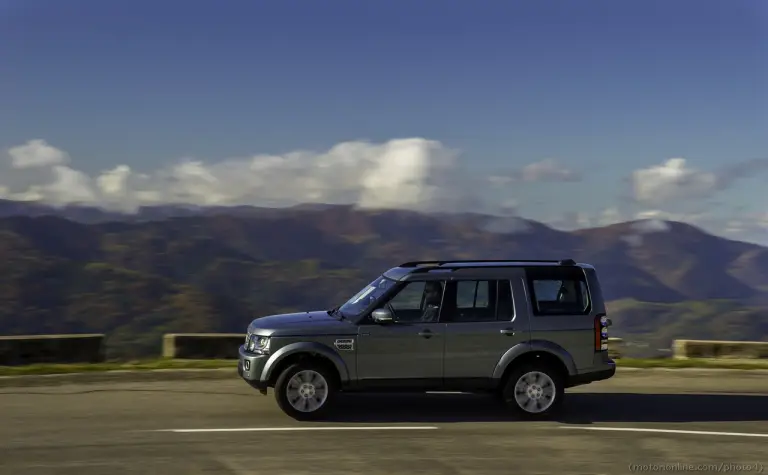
(36, 153)
(547, 170)
(676, 180)
(671, 180)
(413, 173)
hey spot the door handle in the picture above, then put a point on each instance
(425, 334)
(508, 331)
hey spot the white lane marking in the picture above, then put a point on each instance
(287, 429)
(447, 392)
(668, 431)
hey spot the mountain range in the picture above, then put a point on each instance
(175, 268)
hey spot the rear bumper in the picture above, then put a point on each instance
(250, 367)
(601, 373)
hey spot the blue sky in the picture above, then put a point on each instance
(601, 88)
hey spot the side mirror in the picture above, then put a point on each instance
(382, 315)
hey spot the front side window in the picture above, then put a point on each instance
(418, 302)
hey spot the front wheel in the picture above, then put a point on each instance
(535, 391)
(305, 391)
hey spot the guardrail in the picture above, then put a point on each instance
(688, 349)
(615, 347)
(89, 348)
(202, 346)
(224, 345)
(31, 349)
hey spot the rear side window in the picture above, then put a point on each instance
(482, 301)
(473, 301)
(558, 291)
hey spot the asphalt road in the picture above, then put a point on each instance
(192, 427)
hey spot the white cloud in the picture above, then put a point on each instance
(657, 214)
(36, 153)
(762, 221)
(672, 180)
(114, 182)
(412, 173)
(610, 216)
(547, 170)
(752, 228)
(507, 220)
(651, 225)
(579, 219)
(746, 227)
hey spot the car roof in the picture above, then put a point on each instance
(407, 268)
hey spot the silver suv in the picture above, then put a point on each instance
(523, 330)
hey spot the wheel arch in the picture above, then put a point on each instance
(533, 352)
(302, 353)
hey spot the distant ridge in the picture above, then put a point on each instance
(213, 269)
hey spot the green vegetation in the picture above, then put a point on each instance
(147, 365)
(691, 363)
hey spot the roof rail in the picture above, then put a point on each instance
(563, 262)
(420, 263)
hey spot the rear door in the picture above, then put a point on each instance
(562, 310)
(482, 323)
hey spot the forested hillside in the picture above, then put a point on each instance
(216, 270)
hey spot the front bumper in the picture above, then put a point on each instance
(250, 367)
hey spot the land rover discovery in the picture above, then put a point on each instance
(523, 330)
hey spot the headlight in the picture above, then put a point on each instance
(258, 344)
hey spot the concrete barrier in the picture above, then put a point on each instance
(615, 347)
(58, 349)
(202, 346)
(685, 349)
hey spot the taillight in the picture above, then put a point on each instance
(601, 332)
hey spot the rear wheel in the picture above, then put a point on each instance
(305, 391)
(535, 391)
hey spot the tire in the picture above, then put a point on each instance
(289, 388)
(539, 400)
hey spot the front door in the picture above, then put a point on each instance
(407, 353)
(482, 323)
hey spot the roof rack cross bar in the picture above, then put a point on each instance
(564, 262)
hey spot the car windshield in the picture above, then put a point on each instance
(369, 294)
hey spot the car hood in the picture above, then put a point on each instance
(316, 322)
